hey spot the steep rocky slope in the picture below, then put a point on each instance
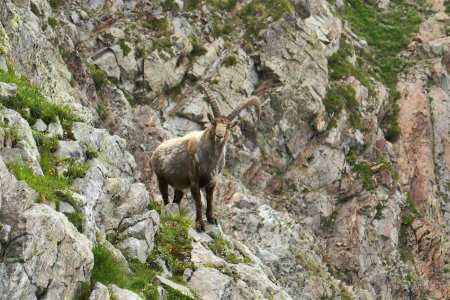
(340, 190)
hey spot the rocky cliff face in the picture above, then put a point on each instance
(340, 190)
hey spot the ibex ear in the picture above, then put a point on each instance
(234, 123)
(210, 117)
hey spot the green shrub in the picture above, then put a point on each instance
(158, 24)
(197, 49)
(125, 48)
(229, 61)
(76, 170)
(225, 249)
(99, 77)
(364, 172)
(53, 22)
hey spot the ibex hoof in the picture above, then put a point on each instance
(199, 226)
(212, 220)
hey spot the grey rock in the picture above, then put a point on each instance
(5, 231)
(106, 61)
(122, 294)
(136, 235)
(66, 208)
(23, 134)
(178, 287)
(7, 90)
(40, 125)
(210, 283)
(163, 73)
(70, 150)
(64, 259)
(170, 210)
(11, 155)
(201, 256)
(55, 129)
(3, 65)
(100, 292)
(15, 196)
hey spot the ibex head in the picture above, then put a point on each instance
(222, 124)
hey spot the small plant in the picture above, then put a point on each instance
(99, 77)
(229, 61)
(91, 153)
(197, 49)
(125, 48)
(364, 172)
(76, 170)
(55, 4)
(158, 24)
(53, 22)
(225, 249)
(162, 44)
(411, 202)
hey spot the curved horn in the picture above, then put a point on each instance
(251, 101)
(212, 100)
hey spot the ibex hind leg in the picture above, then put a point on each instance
(163, 188)
(178, 195)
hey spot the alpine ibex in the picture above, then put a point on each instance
(194, 160)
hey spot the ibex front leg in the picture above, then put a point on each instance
(209, 189)
(195, 191)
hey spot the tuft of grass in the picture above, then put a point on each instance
(365, 174)
(411, 202)
(225, 249)
(173, 243)
(91, 153)
(197, 49)
(52, 21)
(229, 61)
(76, 170)
(109, 270)
(158, 24)
(341, 95)
(125, 48)
(340, 66)
(49, 186)
(162, 44)
(32, 104)
(99, 77)
(255, 14)
(55, 4)
(346, 296)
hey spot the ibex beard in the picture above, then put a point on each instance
(194, 160)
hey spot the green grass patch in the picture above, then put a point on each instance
(173, 244)
(411, 202)
(229, 61)
(197, 49)
(162, 44)
(53, 22)
(76, 170)
(29, 97)
(99, 77)
(109, 270)
(158, 24)
(225, 249)
(338, 97)
(340, 66)
(388, 32)
(365, 174)
(125, 48)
